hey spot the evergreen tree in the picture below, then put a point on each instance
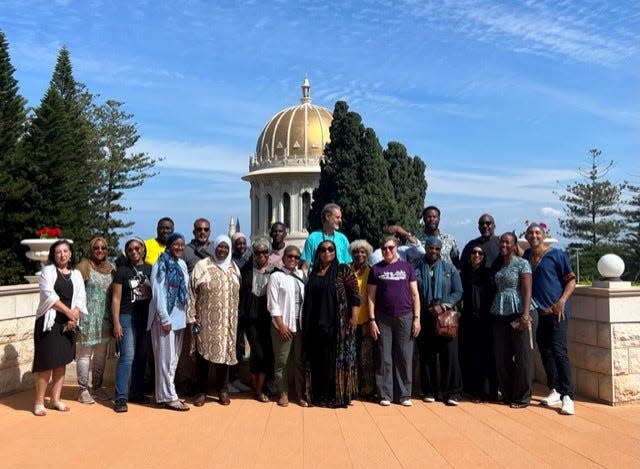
(117, 171)
(631, 240)
(61, 144)
(592, 207)
(354, 176)
(13, 118)
(409, 185)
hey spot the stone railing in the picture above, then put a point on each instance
(604, 343)
(18, 305)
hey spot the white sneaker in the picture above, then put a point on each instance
(568, 408)
(406, 403)
(85, 397)
(428, 398)
(240, 386)
(385, 403)
(452, 401)
(552, 399)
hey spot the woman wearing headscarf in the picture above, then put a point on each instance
(95, 334)
(62, 303)
(440, 289)
(167, 319)
(214, 291)
(329, 321)
(513, 324)
(130, 297)
(360, 251)
(253, 315)
(478, 363)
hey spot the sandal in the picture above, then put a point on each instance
(60, 406)
(39, 410)
(176, 405)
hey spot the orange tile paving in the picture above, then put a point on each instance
(250, 434)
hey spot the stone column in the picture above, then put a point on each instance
(604, 342)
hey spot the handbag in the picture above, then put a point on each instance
(447, 323)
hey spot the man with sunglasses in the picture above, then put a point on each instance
(487, 240)
(200, 246)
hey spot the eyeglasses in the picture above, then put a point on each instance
(477, 253)
(205, 229)
(99, 248)
(327, 249)
(388, 248)
(484, 222)
(292, 256)
(261, 253)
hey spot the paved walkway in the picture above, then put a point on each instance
(250, 434)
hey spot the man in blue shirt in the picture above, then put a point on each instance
(553, 283)
(331, 221)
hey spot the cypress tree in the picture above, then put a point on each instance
(409, 185)
(354, 175)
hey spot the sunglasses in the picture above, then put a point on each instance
(327, 249)
(388, 248)
(488, 223)
(292, 256)
(134, 248)
(205, 229)
(99, 248)
(477, 253)
(261, 253)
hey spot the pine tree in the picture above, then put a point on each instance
(354, 176)
(409, 185)
(631, 240)
(13, 118)
(61, 144)
(118, 170)
(593, 207)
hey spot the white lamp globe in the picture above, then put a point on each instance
(611, 266)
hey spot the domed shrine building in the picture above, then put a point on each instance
(286, 167)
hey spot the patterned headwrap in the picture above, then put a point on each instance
(175, 282)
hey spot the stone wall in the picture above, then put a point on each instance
(17, 308)
(604, 343)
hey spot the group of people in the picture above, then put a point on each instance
(333, 322)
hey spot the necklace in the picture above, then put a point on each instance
(536, 257)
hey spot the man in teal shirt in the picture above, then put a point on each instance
(331, 221)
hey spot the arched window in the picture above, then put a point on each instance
(286, 209)
(269, 211)
(306, 206)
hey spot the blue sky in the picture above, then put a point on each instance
(502, 99)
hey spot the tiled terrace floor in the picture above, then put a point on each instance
(250, 434)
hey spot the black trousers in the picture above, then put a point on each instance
(202, 375)
(478, 361)
(514, 359)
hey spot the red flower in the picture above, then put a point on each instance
(49, 232)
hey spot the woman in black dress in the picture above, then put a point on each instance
(62, 302)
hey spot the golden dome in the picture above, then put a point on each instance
(294, 136)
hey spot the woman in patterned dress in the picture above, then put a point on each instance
(513, 326)
(329, 321)
(214, 291)
(95, 334)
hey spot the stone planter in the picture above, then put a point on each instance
(524, 244)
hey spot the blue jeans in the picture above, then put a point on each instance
(552, 343)
(132, 360)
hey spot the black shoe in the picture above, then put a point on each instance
(120, 406)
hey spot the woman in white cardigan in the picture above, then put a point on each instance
(62, 302)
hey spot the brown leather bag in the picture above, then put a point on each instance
(447, 323)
